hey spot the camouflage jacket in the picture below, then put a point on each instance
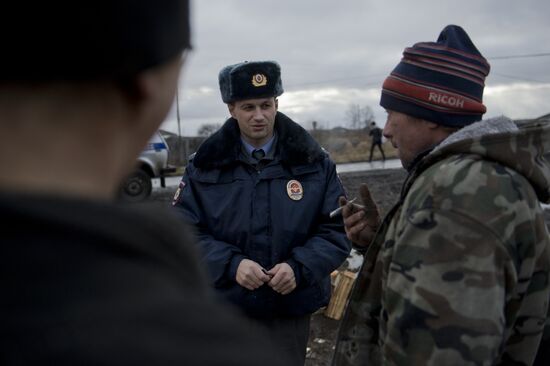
(458, 273)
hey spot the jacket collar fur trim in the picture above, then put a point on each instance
(295, 145)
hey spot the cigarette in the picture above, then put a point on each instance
(338, 211)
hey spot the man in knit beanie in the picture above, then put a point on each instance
(458, 271)
(85, 280)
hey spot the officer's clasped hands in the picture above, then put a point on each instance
(283, 280)
(280, 278)
(250, 275)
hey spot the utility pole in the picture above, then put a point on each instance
(180, 155)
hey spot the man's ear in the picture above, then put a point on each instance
(154, 83)
(150, 94)
(231, 108)
(431, 125)
(276, 104)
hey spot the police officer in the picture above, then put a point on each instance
(86, 281)
(259, 191)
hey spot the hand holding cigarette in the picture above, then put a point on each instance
(338, 211)
(360, 221)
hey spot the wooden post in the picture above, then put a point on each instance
(339, 299)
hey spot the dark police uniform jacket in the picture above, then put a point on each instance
(86, 283)
(243, 212)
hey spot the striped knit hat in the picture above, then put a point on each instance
(441, 82)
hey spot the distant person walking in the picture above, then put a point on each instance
(376, 133)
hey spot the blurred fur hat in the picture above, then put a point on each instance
(249, 80)
(89, 39)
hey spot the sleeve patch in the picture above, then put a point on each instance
(178, 193)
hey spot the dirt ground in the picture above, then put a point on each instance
(384, 186)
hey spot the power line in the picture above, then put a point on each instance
(520, 78)
(507, 57)
(354, 78)
(336, 80)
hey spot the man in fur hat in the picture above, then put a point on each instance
(84, 280)
(458, 271)
(259, 191)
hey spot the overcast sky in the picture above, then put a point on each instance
(336, 53)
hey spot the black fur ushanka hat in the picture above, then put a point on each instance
(249, 80)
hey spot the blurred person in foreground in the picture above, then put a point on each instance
(259, 191)
(458, 271)
(86, 281)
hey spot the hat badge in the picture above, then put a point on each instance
(294, 190)
(259, 80)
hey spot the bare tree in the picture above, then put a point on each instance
(359, 117)
(208, 129)
(353, 115)
(368, 116)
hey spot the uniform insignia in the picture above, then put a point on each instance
(294, 190)
(259, 80)
(178, 192)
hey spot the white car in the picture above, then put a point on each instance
(151, 163)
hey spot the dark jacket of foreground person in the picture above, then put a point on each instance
(89, 283)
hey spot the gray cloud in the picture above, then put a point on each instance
(333, 53)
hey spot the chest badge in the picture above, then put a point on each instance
(294, 190)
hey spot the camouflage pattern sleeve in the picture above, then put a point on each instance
(445, 291)
(460, 270)
(466, 278)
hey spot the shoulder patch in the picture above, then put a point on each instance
(178, 193)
